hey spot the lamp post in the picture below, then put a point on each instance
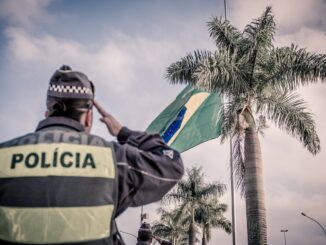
(284, 231)
(303, 214)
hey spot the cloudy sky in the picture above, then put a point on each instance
(125, 47)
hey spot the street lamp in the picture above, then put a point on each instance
(303, 214)
(284, 231)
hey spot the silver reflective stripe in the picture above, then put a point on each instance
(55, 225)
(146, 173)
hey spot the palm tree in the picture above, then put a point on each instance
(171, 226)
(192, 192)
(257, 80)
(210, 215)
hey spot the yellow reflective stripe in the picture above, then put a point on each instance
(57, 160)
(192, 105)
(55, 225)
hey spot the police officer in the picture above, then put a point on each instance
(63, 185)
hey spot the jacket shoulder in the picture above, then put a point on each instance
(57, 136)
(15, 141)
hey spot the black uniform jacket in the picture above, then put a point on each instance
(146, 167)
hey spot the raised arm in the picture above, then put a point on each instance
(147, 167)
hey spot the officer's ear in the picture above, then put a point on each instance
(89, 120)
(46, 114)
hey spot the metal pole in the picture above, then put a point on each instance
(225, 9)
(284, 238)
(234, 240)
(141, 215)
(232, 196)
(303, 214)
(284, 231)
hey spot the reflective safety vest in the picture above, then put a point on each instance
(57, 186)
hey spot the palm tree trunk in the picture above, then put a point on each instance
(192, 228)
(254, 190)
(203, 240)
(192, 234)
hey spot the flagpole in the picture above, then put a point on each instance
(234, 240)
(141, 214)
(225, 9)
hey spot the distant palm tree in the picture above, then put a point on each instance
(258, 81)
(192, 192)
(210, 215)
(171, 227)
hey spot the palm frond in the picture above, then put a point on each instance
(161, 230)
(289, 112)
(261, 124)
(221, 208)
(238, 159)
(229, 116)
(223, 223)
(173, 197)
(290, 67)
(171, 226)
(260, 33)
(196, 201)
(224, 34)
(221, 73)
(210, 215)
(182, 71)
(214, 189)
(184, 240)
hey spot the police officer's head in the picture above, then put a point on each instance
(70, 94)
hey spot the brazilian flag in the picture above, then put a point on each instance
(191, 119)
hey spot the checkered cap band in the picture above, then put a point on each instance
(69, 89)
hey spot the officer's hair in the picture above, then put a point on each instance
(71, 108)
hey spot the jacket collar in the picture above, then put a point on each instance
(60, 121)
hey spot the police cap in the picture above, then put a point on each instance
(69, 84)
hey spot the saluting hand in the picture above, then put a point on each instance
(111, 123)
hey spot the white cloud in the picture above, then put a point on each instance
(298, 23)
(312, 40)
(114, 64)
(121, 66)
(24, 13)
(24, 47)
(289, 14)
